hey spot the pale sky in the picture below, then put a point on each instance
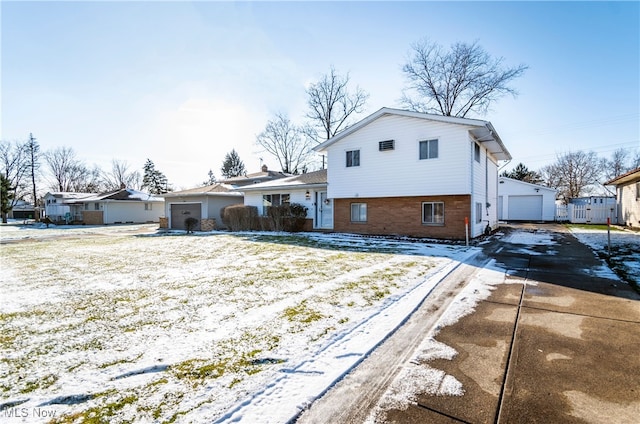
(182, 83)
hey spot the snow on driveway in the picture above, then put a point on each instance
(123, 324)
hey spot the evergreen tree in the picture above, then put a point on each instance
(154, 181)
(7, 196)
(232, 165)
(522, 173)
(211, 180)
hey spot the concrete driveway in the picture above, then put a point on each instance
(559, 342)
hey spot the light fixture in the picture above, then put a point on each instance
(327, 201)
(307, 195)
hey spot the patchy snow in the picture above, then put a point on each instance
(530, 239)
(625, 251)
(420, 378)
(125, 324)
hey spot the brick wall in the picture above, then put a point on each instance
(403, 216)
(92, 217)
(207, 224)
(164, 222)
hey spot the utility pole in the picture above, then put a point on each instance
(34, 156)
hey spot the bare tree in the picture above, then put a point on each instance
(457, 82)
(69, 173)
(120, 175)
(289, 143)
(573, 174)
(32, 152)
(332, 105)
(15, 168)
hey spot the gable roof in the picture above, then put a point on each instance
(217, 189)
(631, 176)
(255, 178)
(69, 196)
(483, 131)
(307, 180)
(124, 194)
(525, 184)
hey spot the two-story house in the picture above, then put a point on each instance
(398, 172)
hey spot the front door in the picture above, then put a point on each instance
(324, 209)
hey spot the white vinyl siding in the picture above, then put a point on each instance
(402, 173)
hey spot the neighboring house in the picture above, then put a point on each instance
(523, 201)
(407, 173)
(308, 189)
(202, 203)
(628, 198)
(121, 206)
(255, 178)
(22, 210)
(64, 206)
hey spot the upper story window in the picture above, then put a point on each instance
(476, 152)
(429, 149)
(353, 158)
(148, 206)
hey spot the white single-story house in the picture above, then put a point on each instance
(399, 172)
(628, 198)
(61, 206)
(201, 203)
(121, 206)
(308, 189)
(523, 201)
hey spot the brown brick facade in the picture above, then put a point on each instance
(403, 216)
(92, 218)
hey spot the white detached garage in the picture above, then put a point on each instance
(522, 201)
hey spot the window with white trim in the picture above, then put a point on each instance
(429, 149)
(478, 212)
(358, 212)
(353, 158)
(274, 200)
(433, 213)
(476, 152)
(148, 206)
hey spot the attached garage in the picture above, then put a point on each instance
(181, 211)
(522, 201)
(201, 203)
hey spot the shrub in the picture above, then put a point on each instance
(239, 217)
(287, 217)
(190, 223)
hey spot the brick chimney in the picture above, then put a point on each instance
(123, 186)
(264, 168)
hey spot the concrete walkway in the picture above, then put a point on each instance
(557, 345)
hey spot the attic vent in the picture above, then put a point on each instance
(385, 145)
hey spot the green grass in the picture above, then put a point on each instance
(603, 227)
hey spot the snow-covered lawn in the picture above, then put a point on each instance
(625, 249)
(124, 324)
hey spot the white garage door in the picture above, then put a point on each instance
(525, 208)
